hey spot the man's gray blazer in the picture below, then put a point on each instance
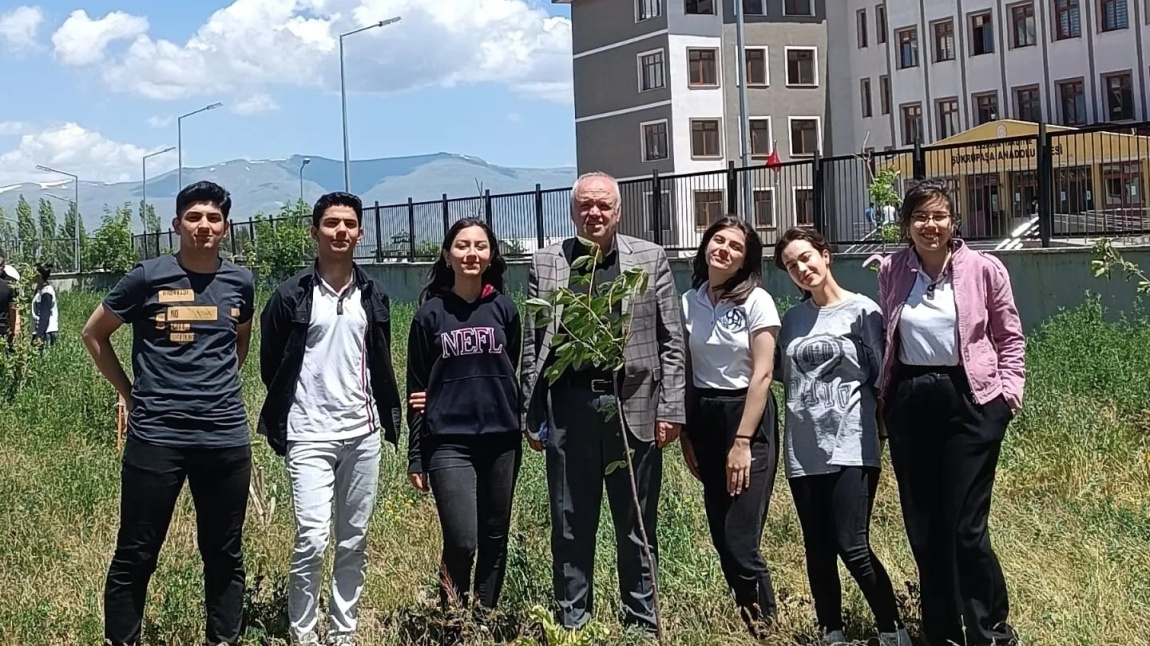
(653, 387)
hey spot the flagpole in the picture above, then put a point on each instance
(745, 118)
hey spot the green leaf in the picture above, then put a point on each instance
(537, 304)
(612, 467)
(582, 262)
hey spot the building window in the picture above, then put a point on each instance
(702, 68)
(985, 108)
(1119, 96)
(1123, 185)
(864, 91)
(860, 31)
(709, 207)
(798, 8)
(1028, 104)
(761, 142)
(802, 66)
(651, 71)
(764, 208)
(1067, 19)
(804, 136)
(1073, 99)
(754, 7)
(981, 34)
(699, 7)
(884, 93)
(655, 141)
(880, 23)
(804, 207)
(757, 67)
(1114, 15)
(1022, 25)
(705, 140)
(647, 9)
(944, 41)
(911, 123)
(948, 118)
(907, 48)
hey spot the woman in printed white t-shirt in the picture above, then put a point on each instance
(45, 309)
(730, 441)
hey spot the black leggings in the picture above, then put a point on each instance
(736, 523)
(834, 510)
(473, 478)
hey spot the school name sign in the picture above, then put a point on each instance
(984, 153)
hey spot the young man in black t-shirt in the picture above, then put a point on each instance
(191, 316)
(9, 308)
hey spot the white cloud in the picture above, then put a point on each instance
(253, 44)
(9, 128)
(84, 41)
(160, 122)
(19, 27)
(75, 149)
(256, 104)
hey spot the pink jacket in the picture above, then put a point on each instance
(992, 347)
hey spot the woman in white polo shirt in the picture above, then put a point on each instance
(730, 441)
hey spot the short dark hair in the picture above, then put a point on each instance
(738, 287)
(203, 192)
(45, 270)
(924, 191)
(337, 198)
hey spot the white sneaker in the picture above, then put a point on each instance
(897, 638)
(341, 639)
(309, 639)
(834, 638)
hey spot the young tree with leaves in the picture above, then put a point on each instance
(47, 221)
(26, 231)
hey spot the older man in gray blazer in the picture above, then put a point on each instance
(565, 417)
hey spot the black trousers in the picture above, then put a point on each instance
(582, 445)
(736, 523)
(150, 481)
(473, 479)
(944, 448)
(834, 511)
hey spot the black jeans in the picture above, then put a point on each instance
(474, 481)
(834, 510)
(736, 523)
(150, 480)
(944, 448)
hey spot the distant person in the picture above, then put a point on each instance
(325, 358)
(191, 318)
(869, 213)
(45, 311)
(9, 306)
(831, 350)
(731, 441)
(952, 380)
(8, 271)
(580, 442)
(465, 444)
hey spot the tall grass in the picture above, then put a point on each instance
(1071, 519)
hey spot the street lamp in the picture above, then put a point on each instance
(144, 183)
(306, 161)
(343, 96)
(180, 140)
(76, 185)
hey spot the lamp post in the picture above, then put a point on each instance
(744, 117)
(306, 161)
(180, 140)
(76, 185)
(343, 96)
(144, 183)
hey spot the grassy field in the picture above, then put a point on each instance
(1071, 519)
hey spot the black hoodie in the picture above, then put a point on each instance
(464, 356)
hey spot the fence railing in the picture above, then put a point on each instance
(1078, 183)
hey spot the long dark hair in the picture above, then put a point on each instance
(442, 277)
(748, 277)
(795, 234)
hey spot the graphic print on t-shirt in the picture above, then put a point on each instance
(734, 320)
(180, 312)
(817, 359)
(469, 340)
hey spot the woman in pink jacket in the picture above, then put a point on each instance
(952, 380)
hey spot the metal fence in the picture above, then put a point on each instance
(1059, 184)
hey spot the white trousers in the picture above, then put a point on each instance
(340, 475)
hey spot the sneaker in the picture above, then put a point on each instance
(757, 625)
(834, 638)
(897, 638)
(341, 639)
(307, 639)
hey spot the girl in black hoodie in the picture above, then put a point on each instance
(463, 415)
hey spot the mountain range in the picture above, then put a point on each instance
(265, 185)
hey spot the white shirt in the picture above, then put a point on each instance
(928, 325)
(333, 399)
(53, 313)
(720, 336)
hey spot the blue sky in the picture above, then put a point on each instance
(94, 85)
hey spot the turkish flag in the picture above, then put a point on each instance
(773, 161)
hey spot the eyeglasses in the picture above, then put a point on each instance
(920, 218)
